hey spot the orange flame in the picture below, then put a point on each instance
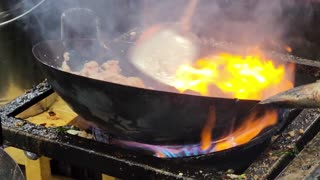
(234, 76)
(288, 49)
(251, 127)
(242, 77)
(206, 139)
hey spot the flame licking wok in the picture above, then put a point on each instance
(234, 76)
(251, 76)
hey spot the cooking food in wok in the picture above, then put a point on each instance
(108, 71)
(130, 105)
(211, 99)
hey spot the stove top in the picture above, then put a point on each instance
(266, 161)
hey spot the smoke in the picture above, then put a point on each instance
(243, 22)
(247, 22)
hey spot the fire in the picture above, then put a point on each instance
(251, 127)
(228, 75)
(207, 130)
(243, 77)
(288, 49)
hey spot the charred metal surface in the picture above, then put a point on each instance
(286, 146)
(305, 163)
(108, 159)
(24, 101)
(101, 157)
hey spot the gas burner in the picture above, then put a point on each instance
(241, 136)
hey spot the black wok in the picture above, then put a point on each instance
(130, 113)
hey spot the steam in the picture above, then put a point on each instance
(243, 22)
(251, 22)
